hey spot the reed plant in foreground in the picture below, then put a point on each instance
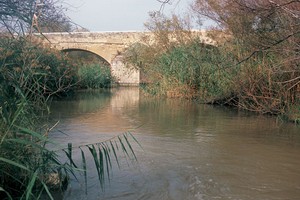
(29, 76)
(31, 170)
(103, 153)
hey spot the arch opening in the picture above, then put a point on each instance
(93, 70)
(85, 54)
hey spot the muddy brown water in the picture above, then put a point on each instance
(190, 151)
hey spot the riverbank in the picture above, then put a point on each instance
(293, 114)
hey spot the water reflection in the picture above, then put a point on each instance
(191, 151)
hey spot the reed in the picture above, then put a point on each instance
(29, 76)
(94, 76)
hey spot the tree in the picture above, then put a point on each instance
(19, 17)
(169, 31)
(259, 18)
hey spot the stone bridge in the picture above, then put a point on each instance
(109, 46)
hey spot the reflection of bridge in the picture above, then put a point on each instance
(108, 45)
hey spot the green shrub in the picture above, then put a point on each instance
(29, 76)
(262, 82)
(34, 70)
(94, 76)
(188, 70)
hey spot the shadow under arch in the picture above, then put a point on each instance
(101, 59)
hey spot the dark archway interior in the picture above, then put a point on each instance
(85, 57)
(93, 71)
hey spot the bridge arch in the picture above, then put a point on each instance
(88, 51)
(104, 51)
(118, 69)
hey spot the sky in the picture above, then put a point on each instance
(117, 15)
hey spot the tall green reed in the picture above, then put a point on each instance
(93, 76)
(29, 76)
(190, 69)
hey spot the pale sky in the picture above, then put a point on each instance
(117, 15)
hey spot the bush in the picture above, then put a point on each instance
(93, 76)
(29, 76)
(197, 66)
(262, 82)
(34, 70)
(188, 70)
(265, 44)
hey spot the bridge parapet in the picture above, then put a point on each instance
(96, 37)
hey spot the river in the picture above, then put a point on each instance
(189, 150)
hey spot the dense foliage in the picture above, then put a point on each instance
(254, 64)
(190, 70)
(32, 72)
(93, 76)
(177, 63)
(29, 76)
(20, 17)
(265, 44)
(93, 71)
